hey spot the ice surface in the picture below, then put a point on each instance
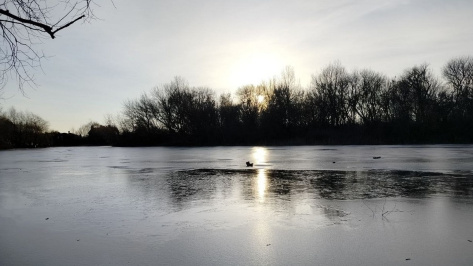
(305, 205)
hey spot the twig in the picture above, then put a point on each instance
(369, 208)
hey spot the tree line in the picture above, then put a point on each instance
(23, 129)
(338, 107)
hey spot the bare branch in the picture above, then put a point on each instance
(25, 23)
(46, 28)
(67, 25)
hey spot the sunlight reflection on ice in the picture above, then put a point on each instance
(261, 184)
(259, 155)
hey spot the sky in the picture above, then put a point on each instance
(93, 68)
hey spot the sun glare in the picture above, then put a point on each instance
(255, 68)
(260, 98)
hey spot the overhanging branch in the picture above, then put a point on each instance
(48, 29)
(68, 24)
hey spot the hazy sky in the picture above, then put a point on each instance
(224, 44)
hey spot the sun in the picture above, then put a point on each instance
(260, 99)
(255, 68)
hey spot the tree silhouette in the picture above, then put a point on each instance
(329, 91)
(249, 112)
(367, 88)
(361, 107)
(339, 107)
(283, 115)
(23, 129)
(228, 123)
(459, 75)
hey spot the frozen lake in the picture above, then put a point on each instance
(303, 205)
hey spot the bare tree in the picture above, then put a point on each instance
(459, 75)
(84, 129)
(24, 23)
(174, 102)
(418, 88)
(284, 110)
(26, 128)
(249, 109)
(228, 118)
(329, 92)
(367, 88)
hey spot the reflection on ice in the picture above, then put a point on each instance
(287, 191)
(215, 198)
(261, 184)
(260, 156)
